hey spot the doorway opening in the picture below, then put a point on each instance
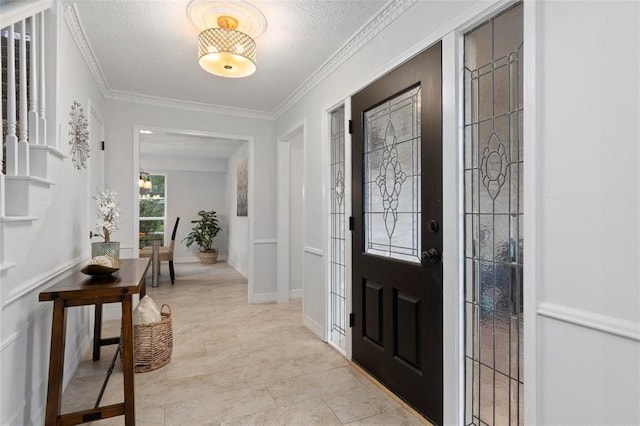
(201, 171)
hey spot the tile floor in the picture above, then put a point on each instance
(238, 364)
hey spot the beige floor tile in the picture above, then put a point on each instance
(236, 363)
(309, 412)
(396, 417)
(215, 407)
(359, 403)
(312, 385)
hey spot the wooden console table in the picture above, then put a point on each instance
(80, 290)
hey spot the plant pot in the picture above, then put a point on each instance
(103, 249)
(208, 257)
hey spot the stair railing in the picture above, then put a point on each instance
(22, 31)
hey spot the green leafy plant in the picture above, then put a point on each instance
(204, 231)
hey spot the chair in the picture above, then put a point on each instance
(166, 253)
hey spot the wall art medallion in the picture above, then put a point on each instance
(79, 132)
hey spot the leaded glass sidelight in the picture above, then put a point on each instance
(392, 178)
(337, 223)
(493, 164)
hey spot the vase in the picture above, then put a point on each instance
(102, 249)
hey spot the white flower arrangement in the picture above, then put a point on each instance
(108, 213)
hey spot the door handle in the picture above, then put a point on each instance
(430, 256)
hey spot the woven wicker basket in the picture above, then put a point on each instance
(209, 257)
(153, 343)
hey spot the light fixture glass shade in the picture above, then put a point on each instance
(147, 184)
(226, 52)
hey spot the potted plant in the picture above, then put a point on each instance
(108, 222)
(204, 231)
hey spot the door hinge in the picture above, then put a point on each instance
(350, 127)
(352, 319)
(102, 145)
(350, 223)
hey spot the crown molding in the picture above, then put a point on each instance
(74, 23)
(137, 98)
(392, 10)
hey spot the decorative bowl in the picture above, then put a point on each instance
(100, 270)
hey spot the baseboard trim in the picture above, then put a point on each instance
(315, 327)
(235, 266)
(264, 297)
(594, 321)
(195, 259)
(296, 293)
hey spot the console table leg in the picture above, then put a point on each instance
(97, 331)
(127, 360)
(56, 363)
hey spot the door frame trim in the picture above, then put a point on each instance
(95, 117)
(452, 232)
(250, 192)
(326, 202)
(283, 205)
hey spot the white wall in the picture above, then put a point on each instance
(238, 226)
(371, 61)
(583, 189)
(121, 118)
(57, 241)
(153, 162)
(587, 201)
(188, 193)
(296, 231)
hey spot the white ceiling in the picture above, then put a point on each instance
(149, 47)
(186, 146)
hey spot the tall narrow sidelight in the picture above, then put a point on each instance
(337, 232)
(493, 163)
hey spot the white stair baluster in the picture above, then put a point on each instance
(12, 140)
(2, 160)
(1, 132)
(23, 128)
(33, 82)
(42, 121)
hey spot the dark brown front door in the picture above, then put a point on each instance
(397, 237)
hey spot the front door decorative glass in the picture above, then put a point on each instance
(392, 177)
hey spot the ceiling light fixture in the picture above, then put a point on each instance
(226, 52)
(145, 180)
(225, 45)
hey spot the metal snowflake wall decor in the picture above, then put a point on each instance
(79, 133)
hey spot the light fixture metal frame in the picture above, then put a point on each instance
(226, 45)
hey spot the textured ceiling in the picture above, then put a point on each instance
(149, 48)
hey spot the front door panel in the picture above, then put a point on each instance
(397, 197)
